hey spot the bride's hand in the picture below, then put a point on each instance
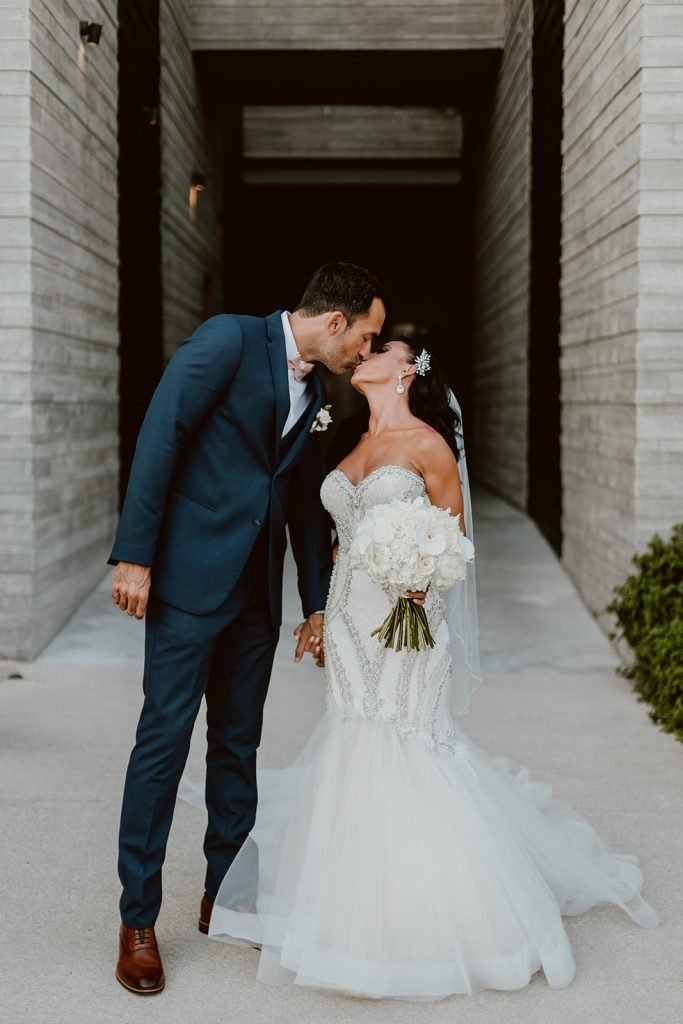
(416, 596)
(309, 637)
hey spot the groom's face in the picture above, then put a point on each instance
(352, 343)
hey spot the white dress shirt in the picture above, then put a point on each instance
(298, 389)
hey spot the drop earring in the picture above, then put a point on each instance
(399, 387)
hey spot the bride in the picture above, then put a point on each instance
(394, 857)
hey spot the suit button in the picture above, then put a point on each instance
(256, 521)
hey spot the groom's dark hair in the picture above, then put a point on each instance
(342, 286)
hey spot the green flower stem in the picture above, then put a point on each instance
(407, 626)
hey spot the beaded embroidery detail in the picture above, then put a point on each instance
(364, 679)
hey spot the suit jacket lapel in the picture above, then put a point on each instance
(277, 354)
(303, 428)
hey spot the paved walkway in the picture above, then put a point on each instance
(552, 702)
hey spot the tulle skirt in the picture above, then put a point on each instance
(381, 868)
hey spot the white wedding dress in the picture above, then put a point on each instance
(394, 858)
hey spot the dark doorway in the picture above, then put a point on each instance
(407, 234)
(416, 236)
(545, 481)
(139, 181)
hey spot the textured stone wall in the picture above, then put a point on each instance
(351, 133)
(501, 314)
(600, 282)
(190, 142)
(16, 457)
(60, 305)
(622, 269)
(355, 24)
(659, 346)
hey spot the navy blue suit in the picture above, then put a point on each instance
(212, 487)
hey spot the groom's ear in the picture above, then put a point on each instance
(335, 323)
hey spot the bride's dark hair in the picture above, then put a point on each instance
(428, 397)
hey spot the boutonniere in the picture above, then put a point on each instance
(322, 420)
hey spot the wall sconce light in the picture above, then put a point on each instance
(90, 32)
(151, 115)
(197, 185)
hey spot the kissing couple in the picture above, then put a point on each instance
(394, 857)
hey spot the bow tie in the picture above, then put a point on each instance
(299, 366)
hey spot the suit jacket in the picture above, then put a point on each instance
(210, 472)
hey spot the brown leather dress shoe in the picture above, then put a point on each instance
(205, 909)
(139, 968)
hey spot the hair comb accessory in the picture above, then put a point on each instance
(423, 362)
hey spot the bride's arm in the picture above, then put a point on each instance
(439, 468)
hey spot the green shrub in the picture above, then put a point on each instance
(649, 613)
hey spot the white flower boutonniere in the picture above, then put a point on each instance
(322, 420)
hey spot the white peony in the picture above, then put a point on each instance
(382, 532)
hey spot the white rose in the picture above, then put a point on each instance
(426, 564)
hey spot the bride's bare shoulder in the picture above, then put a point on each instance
(429, 444)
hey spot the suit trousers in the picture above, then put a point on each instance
(226, 656)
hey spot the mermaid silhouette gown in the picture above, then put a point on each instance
(394, 857)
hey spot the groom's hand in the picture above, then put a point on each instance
(131, 588)
(309, 637)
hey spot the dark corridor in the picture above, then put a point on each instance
(417, 235)
(544, 453)
(410, 235)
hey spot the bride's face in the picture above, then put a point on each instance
(384, 367)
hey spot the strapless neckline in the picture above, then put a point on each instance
(373, 473)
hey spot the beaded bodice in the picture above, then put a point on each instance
(347, 503)
(364, 679)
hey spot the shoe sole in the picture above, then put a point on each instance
(141, 991)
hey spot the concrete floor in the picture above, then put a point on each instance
(552, 702)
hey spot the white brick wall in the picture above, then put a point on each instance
(355, 24)
(622, 285)
(60, 427)
(659, 347)
(501, 320)
(600, 280)
(190, 142)
(16, 461)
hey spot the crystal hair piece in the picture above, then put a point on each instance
(423, 362)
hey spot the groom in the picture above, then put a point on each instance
(225, 459)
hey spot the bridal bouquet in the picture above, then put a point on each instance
(403, 546)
